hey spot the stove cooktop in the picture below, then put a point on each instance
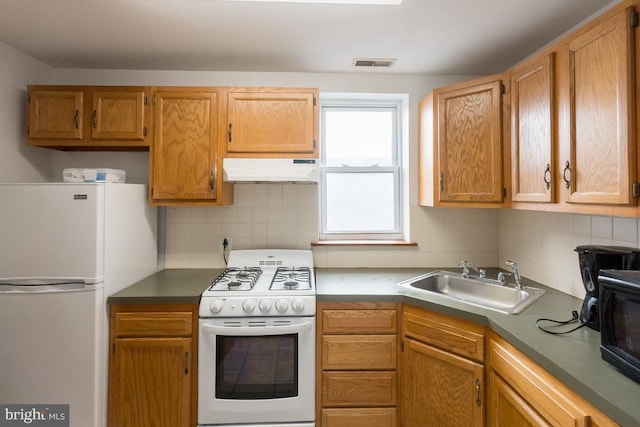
(264, 282)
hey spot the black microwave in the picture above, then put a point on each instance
(620, 320)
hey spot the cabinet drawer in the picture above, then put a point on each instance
(359, 417)
(457, 336)
(364, 388)
(153, 324)
(358, 352)
(359, 321)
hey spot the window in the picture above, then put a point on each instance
(361, 179)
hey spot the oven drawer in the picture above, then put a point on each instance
(132, 324)
(359, 417)
(359, 352)
(363, 388)
(374, 321)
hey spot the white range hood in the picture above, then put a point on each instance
(270, 170)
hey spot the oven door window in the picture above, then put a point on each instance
(256, 367)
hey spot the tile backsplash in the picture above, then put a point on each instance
(543, 243)
(286, 216)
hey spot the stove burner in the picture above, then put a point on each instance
(291, 278)
(236, 279)
(291, 285)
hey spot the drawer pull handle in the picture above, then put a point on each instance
(186, 363)
(478, 401)
(76, 119)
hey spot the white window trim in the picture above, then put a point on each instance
(401, 103)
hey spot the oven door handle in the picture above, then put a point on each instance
(257, 330)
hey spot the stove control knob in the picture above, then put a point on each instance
(216, 305)
(282, 305)
(297, 305)
(265, 305)
(248, 305)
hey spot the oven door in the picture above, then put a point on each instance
(256, 370)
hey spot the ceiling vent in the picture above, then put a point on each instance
(384, 63)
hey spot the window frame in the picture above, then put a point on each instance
(397, 103)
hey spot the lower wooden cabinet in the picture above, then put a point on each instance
(521, 393)
(357, 380)
(442, 370)
(152, 366)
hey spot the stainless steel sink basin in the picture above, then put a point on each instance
(486, 293)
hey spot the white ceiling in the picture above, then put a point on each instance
(473, 37)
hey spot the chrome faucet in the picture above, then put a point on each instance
(466, 265)
(516, 274)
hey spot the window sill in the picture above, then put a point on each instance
(363, 243)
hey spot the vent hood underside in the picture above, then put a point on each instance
(270, 170)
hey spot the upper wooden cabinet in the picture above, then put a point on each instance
(532, 131)
(83, 117)
(574, 114)
(600, 165)
(466, 139)
(184, 166)
(272, 122)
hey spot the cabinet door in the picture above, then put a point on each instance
(272, 122)
(118, 115)
(543, 394)
(602, 163)
(440, 388)
(532, 145)
(184, 150)
(508, 408)
(469, 143)
(55, 114)
(151, 382)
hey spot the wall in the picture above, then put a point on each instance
(285, 215)
(19, 162)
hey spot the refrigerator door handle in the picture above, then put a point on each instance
(37, 286)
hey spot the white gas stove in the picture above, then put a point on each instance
(263, 283)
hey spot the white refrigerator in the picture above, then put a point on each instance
(64, 248)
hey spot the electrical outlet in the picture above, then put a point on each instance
(225, 244)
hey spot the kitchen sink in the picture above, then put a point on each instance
(482, 292)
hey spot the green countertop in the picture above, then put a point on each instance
(573, 358)
(171, 286)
